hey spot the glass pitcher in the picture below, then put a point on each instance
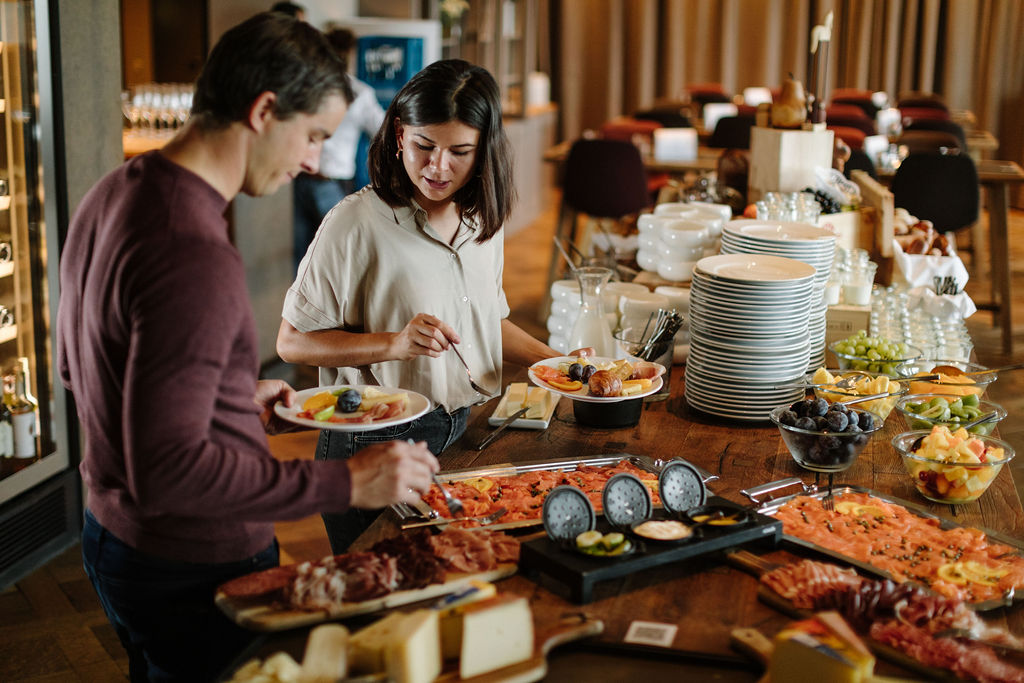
(591, 327)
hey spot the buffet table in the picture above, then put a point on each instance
(704, 599)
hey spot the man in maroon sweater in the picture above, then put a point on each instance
(157, 342)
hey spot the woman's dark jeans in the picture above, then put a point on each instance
(438, 428)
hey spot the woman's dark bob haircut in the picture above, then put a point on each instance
(272, 52)
(452, 89)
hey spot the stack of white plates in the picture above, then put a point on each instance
(813, 245)
(749, 318)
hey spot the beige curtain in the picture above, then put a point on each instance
(613, 57)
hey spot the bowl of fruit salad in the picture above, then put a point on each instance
(823, 437)
(924, 411)
(951, 378)
(951, 466)
(873, 354)
(852, 384)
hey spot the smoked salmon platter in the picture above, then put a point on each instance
(521, 488)
(898, 540)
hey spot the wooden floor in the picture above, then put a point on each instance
(53, 629)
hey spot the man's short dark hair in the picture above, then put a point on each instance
(268, 52)
(289, 8)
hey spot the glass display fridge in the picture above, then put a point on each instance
(40, 493)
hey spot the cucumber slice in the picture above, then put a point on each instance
(588, 539)
(324, 414)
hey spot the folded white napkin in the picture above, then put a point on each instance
(941, 306)
(920, 270)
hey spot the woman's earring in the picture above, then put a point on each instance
(398, 154)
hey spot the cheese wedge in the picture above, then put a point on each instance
(371, 401)
(451, 608)
(823, 648)
(326, 657)
(495, 633)
(405, 646)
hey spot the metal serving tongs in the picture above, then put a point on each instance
(847, 382)
(949, 370)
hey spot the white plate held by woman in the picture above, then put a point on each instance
(416, 405)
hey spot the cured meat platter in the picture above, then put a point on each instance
(267, 612)
(1013, 557)
(417, 514)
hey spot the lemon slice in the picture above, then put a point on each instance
(952, 572)
(588, 539)
(869, 511)
(847, 507)
(976, 572)
(481, 484)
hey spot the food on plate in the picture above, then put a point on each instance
(904, 616)
(925, 411)
(611, 544)
(822, 436)
(404, 562)
(522, 495)
(488, 635)
(822, 648)
(603, 378)
(856, 384)
(893, 539)
(536, 400)
(918, 236)
(951, 467)
(349, 405)
(947, 383)
(874, 354)
(663, 530)
(405, 646)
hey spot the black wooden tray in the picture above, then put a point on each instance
(580, 572)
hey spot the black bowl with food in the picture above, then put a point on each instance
(610, 415)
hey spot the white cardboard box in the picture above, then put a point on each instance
(784, 160)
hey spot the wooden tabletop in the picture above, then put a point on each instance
(705, 598)
(707, 160)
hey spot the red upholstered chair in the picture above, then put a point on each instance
(924, 100)
(854, 137)
(924, 113)
(848, 110)
(857, 97)
(703, 93)
(861, 123)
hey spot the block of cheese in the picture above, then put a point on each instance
(516, 397)
(405, 646)
(326, 657)
(451, 608)
(823, 648)
(537, 402)
(495, 633)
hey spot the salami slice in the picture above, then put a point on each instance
(260, 583)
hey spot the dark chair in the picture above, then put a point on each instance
(941, 188)
(667, 116)
(732, 132)
(911, 113)
(603, 179)
(940, 125)
(857, 97)
(843, 109)
(861, 123)
(859, 161)
(935, 141)
(922, 99)
(703, 93)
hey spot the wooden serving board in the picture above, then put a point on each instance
(267, 613)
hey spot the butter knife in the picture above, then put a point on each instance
(508, 421)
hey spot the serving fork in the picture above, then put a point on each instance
(453, 503)
(472, 382)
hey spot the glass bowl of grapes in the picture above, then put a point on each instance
(873, 354)
(823, 437)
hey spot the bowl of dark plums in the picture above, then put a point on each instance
(823, 437)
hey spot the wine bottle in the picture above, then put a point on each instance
(24, 412)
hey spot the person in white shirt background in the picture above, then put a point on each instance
(315, 195)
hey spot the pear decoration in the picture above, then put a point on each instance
(790, 110)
